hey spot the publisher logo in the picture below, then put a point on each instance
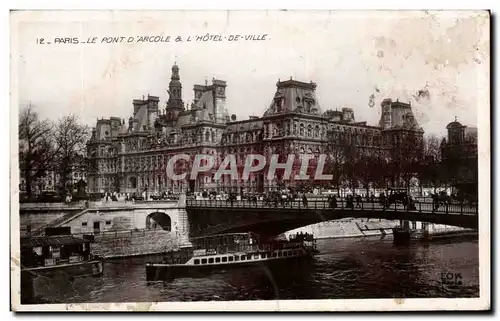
(449, 278)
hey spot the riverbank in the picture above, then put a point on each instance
(451, 234)
(357, 228)
(348, 228)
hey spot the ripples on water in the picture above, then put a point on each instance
(345, 269)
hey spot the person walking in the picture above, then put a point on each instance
(358, 201)
(435, 202)
(405, 202)
(350, 201)
(411, 204)
(382, 200)
(334, 202)
(304, 200)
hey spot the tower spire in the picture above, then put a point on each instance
(175, 90)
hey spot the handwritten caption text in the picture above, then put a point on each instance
(153, 39)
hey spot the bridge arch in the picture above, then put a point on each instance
(271, 220)
(158, 220)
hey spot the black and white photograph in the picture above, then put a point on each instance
(279, 160)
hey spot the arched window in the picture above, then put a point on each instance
(309, 131)
(316, 131)
(213, 136)
(301, 133)
(207, 136)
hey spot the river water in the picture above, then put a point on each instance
(353, 268)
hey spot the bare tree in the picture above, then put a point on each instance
(35, 147)
(406, 157)
(369, 169)
(70, 137)
(351, 156)
(432, 147)
(334, 164)
(431, 168)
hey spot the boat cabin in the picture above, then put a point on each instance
(53, 250)
(240, 242)
(225, 243)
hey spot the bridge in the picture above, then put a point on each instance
(209, 217)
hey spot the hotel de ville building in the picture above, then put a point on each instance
(130, 156)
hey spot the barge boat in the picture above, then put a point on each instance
(47, 261)
(232, 250)
(50, 254)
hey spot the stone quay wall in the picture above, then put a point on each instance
(134, 243)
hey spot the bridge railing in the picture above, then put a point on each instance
(342, 204)
(117, 233)
(163, 201)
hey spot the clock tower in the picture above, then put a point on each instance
(175, 105)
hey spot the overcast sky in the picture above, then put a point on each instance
(350, 55)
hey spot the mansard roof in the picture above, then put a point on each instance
(294, 96)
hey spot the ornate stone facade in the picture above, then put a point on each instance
(132, 157)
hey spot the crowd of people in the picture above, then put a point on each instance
(356, 200)
(275, 199)
(301, 237)
(128, 197)
(290, 198)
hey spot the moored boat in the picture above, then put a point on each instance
(49, 254)
(50, 260)
(405, 234)
(232, 250)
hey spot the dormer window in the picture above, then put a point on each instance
(279, 105)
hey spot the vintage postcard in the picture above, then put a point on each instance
(250, 160)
